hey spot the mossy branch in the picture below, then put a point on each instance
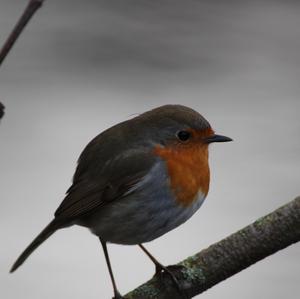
(231, 255)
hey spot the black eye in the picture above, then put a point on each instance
(183, 135)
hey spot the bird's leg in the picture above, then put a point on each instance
(117, 294)
(160, 269)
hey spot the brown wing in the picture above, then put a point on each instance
(93, 188)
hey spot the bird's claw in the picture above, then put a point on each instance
(161, 270)
(118, 296)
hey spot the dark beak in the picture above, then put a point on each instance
(217, 138)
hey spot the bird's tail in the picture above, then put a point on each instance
(51, 228)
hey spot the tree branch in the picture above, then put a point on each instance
(231, 255)
(29, 11)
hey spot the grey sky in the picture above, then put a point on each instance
(82, 66)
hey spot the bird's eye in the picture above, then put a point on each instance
(183, 135)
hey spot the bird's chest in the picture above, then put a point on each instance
(149, 210)
(188, 171)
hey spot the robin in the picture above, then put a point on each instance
(138, 180)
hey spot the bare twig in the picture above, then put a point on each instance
(1, 110)
(231, 255)
(29, 11)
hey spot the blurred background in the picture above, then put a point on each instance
(82, 66)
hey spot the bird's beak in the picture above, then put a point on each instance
(217, 138)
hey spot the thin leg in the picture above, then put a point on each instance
(117, 295)
(159, 269)
(158, 266)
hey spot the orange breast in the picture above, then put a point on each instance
(188, 170)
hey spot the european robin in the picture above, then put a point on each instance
(138, 180)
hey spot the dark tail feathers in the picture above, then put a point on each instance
(43, 236)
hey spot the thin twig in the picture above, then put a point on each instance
(29, 11)
(231, 255)
(2, 108)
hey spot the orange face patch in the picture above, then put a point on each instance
(188, 167)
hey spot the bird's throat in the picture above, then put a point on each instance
(188, 169)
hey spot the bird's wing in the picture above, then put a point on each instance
(94, 186)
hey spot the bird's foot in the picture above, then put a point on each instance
(161, 270)
(117, 295)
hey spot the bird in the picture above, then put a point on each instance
(137, 180)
